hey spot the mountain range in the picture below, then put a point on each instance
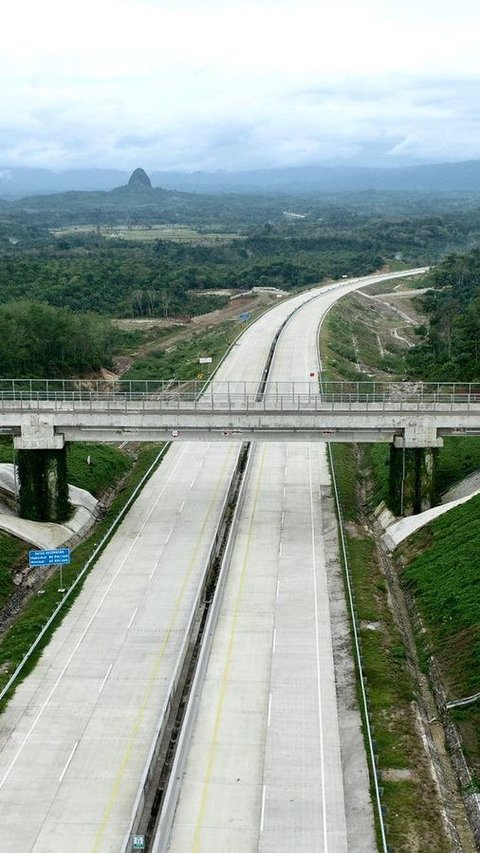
(432, 178)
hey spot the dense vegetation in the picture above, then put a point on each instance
(451, 349)
(446, 581)
(140, 279)
(40, 341)
(337, 236)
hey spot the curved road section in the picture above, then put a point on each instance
(76, 736)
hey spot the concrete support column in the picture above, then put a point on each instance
(43, 494)
(412, 479)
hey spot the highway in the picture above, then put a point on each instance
(76, 735)
(265, 771)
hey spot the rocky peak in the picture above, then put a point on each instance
(139, 180)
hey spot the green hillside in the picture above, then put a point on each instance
(446, 580)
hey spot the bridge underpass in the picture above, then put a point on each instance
(412, 417)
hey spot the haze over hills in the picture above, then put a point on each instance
(463, 176)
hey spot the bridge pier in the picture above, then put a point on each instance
(412, 479)
(43, 493)
(42, 470)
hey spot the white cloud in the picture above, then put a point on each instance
(225, 84)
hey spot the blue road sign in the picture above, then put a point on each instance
(244, 316)
(56, 557)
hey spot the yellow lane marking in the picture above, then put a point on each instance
(155, 669)
(227, 667)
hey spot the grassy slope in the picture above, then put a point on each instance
(182, 361)
(107, 465)
(350, 334)
(11, 550)
(413, 815)
(445, 578)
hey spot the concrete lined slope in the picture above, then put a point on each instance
(47, 534)
(402, 529)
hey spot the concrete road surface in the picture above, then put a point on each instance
(76, 735)
(276, 763)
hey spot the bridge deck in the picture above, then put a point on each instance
(416, 420)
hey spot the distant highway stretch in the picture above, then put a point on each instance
(75, 738)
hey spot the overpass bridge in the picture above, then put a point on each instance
(44, 414)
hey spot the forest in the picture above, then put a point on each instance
(450, 351)
(41, 341)
(80, 270)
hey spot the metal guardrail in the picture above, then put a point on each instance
(241, 396)
(171, 698)
(188, 391)
(367, 728)
(164, 826)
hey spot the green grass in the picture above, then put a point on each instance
(446, 581)
(378, 459)
(6, 449)
(350, 339)
(182, 361)
(107, 465)
(459, 457)
(346, 476)
(128, 337)
(11, 550)
(389, 286)
(468, 721)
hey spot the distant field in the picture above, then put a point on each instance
(148, 233)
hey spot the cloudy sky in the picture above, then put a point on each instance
(234, 84)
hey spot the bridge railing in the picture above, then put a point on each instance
(27, 394)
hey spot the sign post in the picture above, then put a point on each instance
(207, 359)
(55, 557)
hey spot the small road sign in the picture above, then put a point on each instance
(139, 842)
(244, 316)
(205, 359)
(55, 557)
